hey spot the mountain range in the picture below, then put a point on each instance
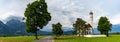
(14, 26)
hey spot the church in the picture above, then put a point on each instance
(88, 30)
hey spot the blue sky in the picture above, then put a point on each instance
(66, 11)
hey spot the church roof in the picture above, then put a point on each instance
(88, 25)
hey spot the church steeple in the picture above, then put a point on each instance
(91, 18)
(91, 13)
(91, 22)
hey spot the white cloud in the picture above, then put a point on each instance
(73, 9)
(64, 11)
(115, 19)
(98, 12)
(12, 8)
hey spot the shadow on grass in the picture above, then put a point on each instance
(66, 38)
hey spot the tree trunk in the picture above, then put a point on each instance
(82, 33)
(36, 36)
(79, 33)
(107, 34)
(35, 28)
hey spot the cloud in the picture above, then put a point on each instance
(66, 11)
(12, 8)
(115, 19)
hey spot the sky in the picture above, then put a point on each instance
(66, 11)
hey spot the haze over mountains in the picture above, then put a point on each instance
(12, 27)
(15, 26)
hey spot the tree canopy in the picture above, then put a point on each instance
(104, 25)
(37, 16)
(57, 29)
(79, 26)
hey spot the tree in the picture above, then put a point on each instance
(37, 16)
(79, 26)
(104, 26)
(75, 29)
(57, 29)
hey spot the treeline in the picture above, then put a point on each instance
(81, 28)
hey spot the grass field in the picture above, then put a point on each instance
(112, 38)
(19, 39)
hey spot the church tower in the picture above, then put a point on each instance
(91, 18)
(91, 22)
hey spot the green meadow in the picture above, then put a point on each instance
(112, 38)
(19, 39)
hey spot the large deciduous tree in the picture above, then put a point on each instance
(57, 29)
(104, 26)
(79, 26)
(37, 16)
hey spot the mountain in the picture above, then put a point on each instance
(13, 17)
(4, 30)
(16, 27)
(65, 29)
(115, 28)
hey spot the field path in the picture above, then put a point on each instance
(46, 39)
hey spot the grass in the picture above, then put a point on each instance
(19, 39)
(112, 38)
